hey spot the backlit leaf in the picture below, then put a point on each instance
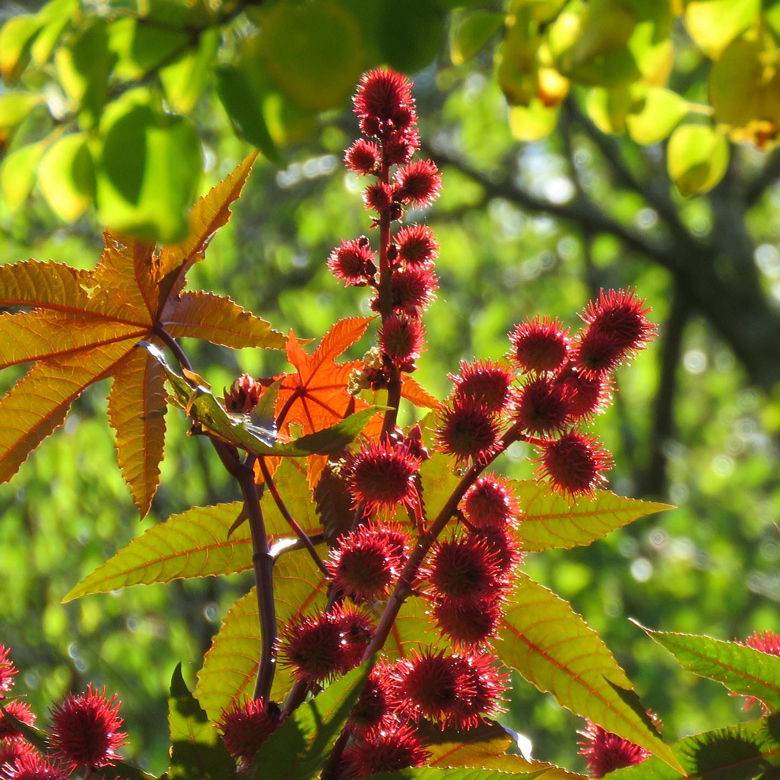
(551, 520)
(534, 122)
(532, 770)
(197, 751)
(46, 285)
(16, 37)
(414, 629)
(140, 47)
(413, 391)
(452, 748)
(66, 176)
(14, 107)
(655, 114)
(136, 409)
(185, 79)
(472, 33)
(17, 174)
(554, 649)
(741, 669)
(713, 24)
(230, 666)
(732, 753)
(697, 157)
(218, 319)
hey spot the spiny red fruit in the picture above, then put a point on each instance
(418, 183)
(489, 501)
(245, 727)
(384, 94)
(353, 262)
(378, 197)
(7, 671)
(19, 710)
(412, 289)
(484, 383)
(575, 464)
(539, 345)
(381, 476)
(463, 570)
(85, 729)
(372, 712)
(243, 395)
(363, 157)
(469, 625)
(416, 245)
(32, 766)
(432, 685)
(468, 431)
(768, 642)
(399, 147)
(605, 752)
(318, 648)
(12, 749)
(502, 544)
(401, 338)
(363, 565)
(489, 684)
(586, 395)
(541, 406)
(384, 751)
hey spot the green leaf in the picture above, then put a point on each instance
(733, 753)
(741, 669)
(197, 751)
(713, 24)
(554, 649)
(533, 122)
(313, 52)
(244, 108)
(452, 748)
(185, 78)
(299, 747)
(202, 406)
(148, 170)
(472, 32)
(17, 174)
(83, 66)
(534, 770)
(414, 628)
(230, 665)
(697, 157)
(411, 33)
(554, 521)
(438, 482)
(14, 107)
(140, 47)
(192, 544)
(56, 17)
(608, 108)
(16, 38)
(66, 176)
(655, 114)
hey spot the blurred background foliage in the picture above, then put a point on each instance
(559, 178)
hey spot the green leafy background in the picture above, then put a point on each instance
(708, 567)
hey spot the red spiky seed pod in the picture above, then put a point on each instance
(353, 262)
(381, 476)
(399, 147)
(384, 94)
(85, 729)
(372, 712)
(541, 406)
(418, 183)
(431, 685)
(490, 501)
(539, 345)
(767, 642)
(245, 727)
(468, 625)
(363, 157)
(412, 290)
(33, 766)
(463, 570)
(416, 245)
(319, 648)
(379, 197)
(12, 749)
(243, 395)
(605, 752)
(489, 684)
(401, 338)
(574, 464)
(501, 542)
(484, 383)
(7, 671)
(468, 431)
(19, 710)
(363, 564)
(384, 751)
(586, 396)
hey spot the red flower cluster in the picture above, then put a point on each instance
(605, 752)
(386, 112)
(245, 727)
(243, 395)
(84, 732)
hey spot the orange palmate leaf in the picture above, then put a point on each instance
(84, 325)
(316, 396)
(413, 391)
